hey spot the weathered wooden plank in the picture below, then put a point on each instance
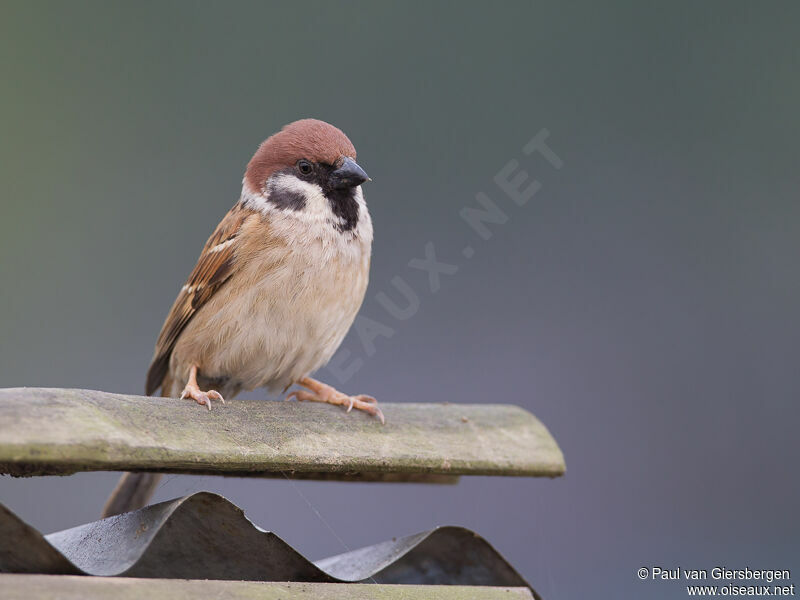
(46, 431)
(74, 587)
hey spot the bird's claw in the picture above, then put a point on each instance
(378, 413)
(361, 402)
(201, 397)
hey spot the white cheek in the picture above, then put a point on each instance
(317, 206)
(316, 209)
(315, 221)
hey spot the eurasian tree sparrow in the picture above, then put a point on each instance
(277, 285)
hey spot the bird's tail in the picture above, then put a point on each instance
(134, 490)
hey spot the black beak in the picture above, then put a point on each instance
(348, 175)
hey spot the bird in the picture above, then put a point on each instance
(276, 288)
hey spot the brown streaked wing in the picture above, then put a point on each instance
(211, 271)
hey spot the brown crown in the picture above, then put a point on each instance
(311, 139)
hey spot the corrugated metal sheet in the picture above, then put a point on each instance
(204, 536)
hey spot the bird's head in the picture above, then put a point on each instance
(307, 166)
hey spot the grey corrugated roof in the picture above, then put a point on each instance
(204, 536)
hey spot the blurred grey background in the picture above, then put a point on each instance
(643, 304)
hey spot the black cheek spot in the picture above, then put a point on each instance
(283, 198)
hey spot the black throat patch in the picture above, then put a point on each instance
(343, 204)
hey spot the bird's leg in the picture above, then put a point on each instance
(322, 392)
(195, 393)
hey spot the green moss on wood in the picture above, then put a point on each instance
(59, 431)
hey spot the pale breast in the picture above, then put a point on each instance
(284, 313)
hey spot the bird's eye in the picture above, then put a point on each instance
(304, 166)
